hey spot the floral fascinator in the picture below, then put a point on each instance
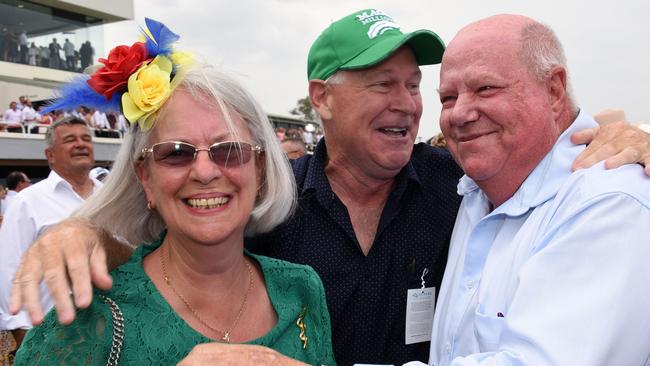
(138, 78)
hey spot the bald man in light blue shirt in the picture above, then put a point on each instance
(546, 267)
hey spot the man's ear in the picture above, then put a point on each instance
(318, 94)
(49, 155)
(557, 84)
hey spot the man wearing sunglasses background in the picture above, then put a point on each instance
(70, 155)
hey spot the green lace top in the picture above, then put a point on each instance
(155, 335)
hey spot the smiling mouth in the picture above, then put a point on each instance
(394, 131)
(472, 137)
(206, 203)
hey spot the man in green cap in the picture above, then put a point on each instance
(375, 212)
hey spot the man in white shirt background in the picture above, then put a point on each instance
(70, 156)
(13, 117)
(99, 120)
(28, 116)
(546, 267)
(16, 182)
(21, 102)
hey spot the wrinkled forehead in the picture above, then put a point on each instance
(63, 132)
(500, 33)
(196, 116)
(76, 129)
(479, 48)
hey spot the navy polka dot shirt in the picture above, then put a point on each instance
(366, 295)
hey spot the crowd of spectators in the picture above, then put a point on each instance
(21, 117)
(64, 56)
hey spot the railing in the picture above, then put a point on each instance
(41, 129)
(5, 125)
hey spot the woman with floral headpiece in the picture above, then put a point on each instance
(199, 169)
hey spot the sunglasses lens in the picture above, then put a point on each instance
(173, 153)
(231, 153)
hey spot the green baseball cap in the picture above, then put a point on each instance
(364, 39)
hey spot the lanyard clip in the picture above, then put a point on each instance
(424, 273)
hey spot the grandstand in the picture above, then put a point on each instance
(80, 21)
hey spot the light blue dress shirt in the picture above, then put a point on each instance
(557, 275)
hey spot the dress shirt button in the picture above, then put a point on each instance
(470, 284)
(448, 348)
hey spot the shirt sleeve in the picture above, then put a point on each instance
(583, 295)
(17, 233)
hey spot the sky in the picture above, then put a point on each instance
(264, 43)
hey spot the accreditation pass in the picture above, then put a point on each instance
(420, 303)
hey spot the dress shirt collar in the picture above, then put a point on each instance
(546, 179)
(56, 182)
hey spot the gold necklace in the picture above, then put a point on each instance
(226, 333)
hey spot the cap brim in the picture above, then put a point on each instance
(426, 45)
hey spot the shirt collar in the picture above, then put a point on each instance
(55, 181)
(316, 177)
(548, 176)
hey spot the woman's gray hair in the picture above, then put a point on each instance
(120, 207)
(542, 51)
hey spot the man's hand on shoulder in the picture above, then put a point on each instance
(617, 143)
(71, 252)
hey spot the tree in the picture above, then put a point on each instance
(304, 110)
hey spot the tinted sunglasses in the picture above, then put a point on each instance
(180, 154)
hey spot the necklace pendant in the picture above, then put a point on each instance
(226, 337)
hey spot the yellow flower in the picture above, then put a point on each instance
(180, 58)
(148, 88)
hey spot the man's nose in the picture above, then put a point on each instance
(464, 110)
(404, 100)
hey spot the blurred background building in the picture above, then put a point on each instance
(33, 65)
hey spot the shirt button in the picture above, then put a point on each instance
(448, 348)
(470, 284)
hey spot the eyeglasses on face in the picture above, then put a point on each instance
(179, 154)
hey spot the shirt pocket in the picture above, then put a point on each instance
(487, 329)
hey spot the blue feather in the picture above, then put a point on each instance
(162, 40)
(78, 93)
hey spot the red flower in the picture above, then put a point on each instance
(121, 63)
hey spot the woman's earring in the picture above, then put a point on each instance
(150, 205)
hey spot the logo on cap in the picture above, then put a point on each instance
(382, 22)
